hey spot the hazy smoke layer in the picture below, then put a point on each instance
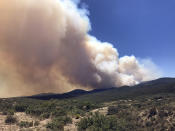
(45, 47)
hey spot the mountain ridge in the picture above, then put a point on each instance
(149, 86)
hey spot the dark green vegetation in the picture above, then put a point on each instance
(148, 106)
(99, 122)
(60, 111)
(155, 112)
(163, 86)
(59, 122)
(25, 124)
(10, 119)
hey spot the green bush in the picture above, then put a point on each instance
(10, 119)
(98, 122)
(20, 107)
(59, 113)
(36, 123)
(34, 111)
(152, 112)
(77, 116)
(25, 124)
(8, 112)
(55, 126)
(79, 112)
(112, 110)
(58, 123)
(45, 115)
(86, 106)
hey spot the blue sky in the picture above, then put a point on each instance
(144, 28)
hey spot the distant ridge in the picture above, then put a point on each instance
(160, 81)
(161, 85)
(74, 93)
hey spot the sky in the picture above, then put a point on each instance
(144, 28)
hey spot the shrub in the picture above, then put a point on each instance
(10, 119)
(79, 112)
(55, 125)
(86, 106)
(112, 110)
(45, 115)
(77, 116)
(36, 123)
(8, 112)
(11, 112)
(58, 123)
(98, 122)
(25, 124)
(20, 108)
(152, 112)
(59, 113)
(34, 111)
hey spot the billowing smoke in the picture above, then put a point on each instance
(45, 47)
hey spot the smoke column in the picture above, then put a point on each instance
(45, 47)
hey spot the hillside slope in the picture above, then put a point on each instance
(149, 106)
(162, 85)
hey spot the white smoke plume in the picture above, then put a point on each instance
(45, 47)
